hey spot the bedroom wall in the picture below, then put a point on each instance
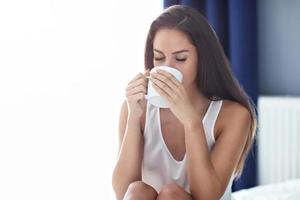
(279, 47)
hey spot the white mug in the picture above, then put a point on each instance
(152, 95)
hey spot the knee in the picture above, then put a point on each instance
(137, 190)
(134, 190)
(170, 191)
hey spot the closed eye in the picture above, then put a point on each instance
(158, 59)
(179, 60)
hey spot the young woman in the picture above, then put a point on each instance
(196, 147)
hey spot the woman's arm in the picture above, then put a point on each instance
(128, 166)
(209, 173)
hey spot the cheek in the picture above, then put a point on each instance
(193, 70)
(189, 74)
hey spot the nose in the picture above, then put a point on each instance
(170, 63)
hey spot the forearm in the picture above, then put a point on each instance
(203, 179)
(128, 167)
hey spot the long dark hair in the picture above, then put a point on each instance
(214, 78)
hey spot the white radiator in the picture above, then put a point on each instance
(278, 139)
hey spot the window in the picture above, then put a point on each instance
(64, 66)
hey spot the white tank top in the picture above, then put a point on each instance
(158, 165)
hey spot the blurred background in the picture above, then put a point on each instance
(64, 67)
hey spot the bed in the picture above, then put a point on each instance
(287, 190)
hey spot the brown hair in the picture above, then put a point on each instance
(214, 77)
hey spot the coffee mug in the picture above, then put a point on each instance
(152, 95)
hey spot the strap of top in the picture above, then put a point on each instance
(212, 117)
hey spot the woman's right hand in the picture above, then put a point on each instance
(135, 94)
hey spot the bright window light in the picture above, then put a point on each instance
(64, 67)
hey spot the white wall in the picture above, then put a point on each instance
(64, 66)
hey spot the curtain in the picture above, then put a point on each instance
(234, 21)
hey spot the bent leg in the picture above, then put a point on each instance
(173, 192)
(139, 190)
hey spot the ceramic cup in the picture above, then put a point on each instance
(153, 96)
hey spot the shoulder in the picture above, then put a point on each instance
(232, 109)
(233, 115)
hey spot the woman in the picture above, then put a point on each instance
(195, 148)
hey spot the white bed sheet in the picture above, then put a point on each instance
(287, 190)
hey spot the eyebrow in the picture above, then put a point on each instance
(175, 52)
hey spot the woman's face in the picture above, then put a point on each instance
(172, 48)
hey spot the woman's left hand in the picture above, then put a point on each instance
(175, 94)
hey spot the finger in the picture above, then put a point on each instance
(161, 92)
(165, 85)
(146, 72)
(161, 88)
(138, 96)
(164, 79)
(168, 76)
(135, 90)
(139, 75)
(137, 83)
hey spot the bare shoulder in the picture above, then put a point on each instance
(234, 109)
(232, 114)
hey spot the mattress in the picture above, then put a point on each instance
(287, 190)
